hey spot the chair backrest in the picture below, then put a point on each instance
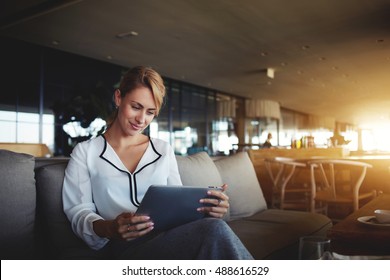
(331, 169)
(277, 166)
(281, 170)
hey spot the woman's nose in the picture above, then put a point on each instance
(140, 118)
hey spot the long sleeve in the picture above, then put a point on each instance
(77, 198)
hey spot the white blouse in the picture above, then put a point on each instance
(97, 185)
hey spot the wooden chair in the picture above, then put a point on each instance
(337, 181)
(286, 194)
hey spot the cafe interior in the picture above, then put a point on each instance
(314, 75)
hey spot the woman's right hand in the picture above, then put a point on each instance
(126, 226)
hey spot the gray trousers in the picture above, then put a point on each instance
(205, 239)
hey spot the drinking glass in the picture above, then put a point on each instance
(314, 248)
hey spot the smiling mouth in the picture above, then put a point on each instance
(136, 127)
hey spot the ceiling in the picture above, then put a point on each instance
(330, 57)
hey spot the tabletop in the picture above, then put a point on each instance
(353, 237)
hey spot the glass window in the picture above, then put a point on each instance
(23, 127)
(187, 119)
(7, 125)
(7, 116)
(28, 117)
(226, 140)
(257, 131)
(27, 132)
(8, 129)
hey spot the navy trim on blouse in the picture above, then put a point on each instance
(133, 191)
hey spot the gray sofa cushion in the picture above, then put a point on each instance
(275, 233)
(246, 196)
(198, 170)
(42, 161)
(17, 205)
(64, 244)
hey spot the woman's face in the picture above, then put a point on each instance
(136, 110)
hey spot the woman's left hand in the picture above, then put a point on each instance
(219, 202)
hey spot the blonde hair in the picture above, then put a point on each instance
(141, 76)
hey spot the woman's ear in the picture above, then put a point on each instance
(117, 98)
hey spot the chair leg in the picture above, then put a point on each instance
(274, 202)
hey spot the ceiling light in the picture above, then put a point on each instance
(259, 108)
(271, 73)
(126, 35)
(55, 42)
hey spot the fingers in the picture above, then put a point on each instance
(217, 198)
(219, 202)
(131, 226)
(136, 230)
(217, 212)
(218, 195)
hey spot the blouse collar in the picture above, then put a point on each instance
(108, 154)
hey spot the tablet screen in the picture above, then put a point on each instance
(171, 206)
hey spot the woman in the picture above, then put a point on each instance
(267, 143)
(107, 177)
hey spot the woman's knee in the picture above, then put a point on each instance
(211, 222)
(213, 225)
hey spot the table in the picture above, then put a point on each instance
(350, 237)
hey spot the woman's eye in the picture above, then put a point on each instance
(136, 107)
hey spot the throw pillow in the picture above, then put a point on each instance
(246, 196)
(198, 170)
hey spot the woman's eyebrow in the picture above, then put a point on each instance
(137, 103)
(140, 105)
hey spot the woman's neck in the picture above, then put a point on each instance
(116, 138)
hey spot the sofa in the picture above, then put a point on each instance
(33, 225)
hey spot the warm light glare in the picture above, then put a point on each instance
(377, 139)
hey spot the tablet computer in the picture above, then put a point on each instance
(171, 206)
